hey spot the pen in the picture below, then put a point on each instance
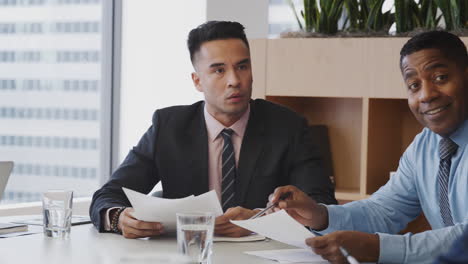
(350, 258)
(345, 253)
(282, 197)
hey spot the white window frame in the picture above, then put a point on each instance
(257, 27)
(110, 87)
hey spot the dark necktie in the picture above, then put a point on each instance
(446, 150)
(228, 170)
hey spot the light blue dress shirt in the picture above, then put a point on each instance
(411, 190)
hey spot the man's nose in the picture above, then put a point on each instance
(233, 79)
(428, 92)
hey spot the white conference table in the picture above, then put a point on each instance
(86, 245)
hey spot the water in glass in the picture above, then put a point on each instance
(57, 222)
(195, 241)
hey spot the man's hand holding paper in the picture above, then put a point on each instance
(163, 211)
(273, 225)
(306, 211)
(134, 228)
(224, 227)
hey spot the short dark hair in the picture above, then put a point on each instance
(449, 44)
(214, 30)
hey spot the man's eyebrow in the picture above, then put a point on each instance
(409, 74)
(244, 61)
(435, 66)
(216, 64)
(219, 64)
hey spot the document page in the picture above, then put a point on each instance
(31, 230)
(297, 255)
(156, 209)
(249, 238)
(278, 226)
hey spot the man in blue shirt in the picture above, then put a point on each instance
(458, 253)
(432, 176)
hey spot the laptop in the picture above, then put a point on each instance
(6, 228)
(5, 170)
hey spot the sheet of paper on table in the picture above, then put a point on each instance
(297, 255)
(38, 220)
(6, 228)
(156, 209)
(278, 226)
(32, 229)
(249, 238)
(283, 228)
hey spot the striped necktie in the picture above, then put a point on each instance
(446, 150)
(228, 171)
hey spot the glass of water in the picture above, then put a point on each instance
(57, 213)
(195, 236)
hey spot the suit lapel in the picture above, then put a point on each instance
(251, 149)
(197, 141)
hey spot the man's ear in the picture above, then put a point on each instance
(196, 81)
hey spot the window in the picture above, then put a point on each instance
(54, 97)
(281, 17)
(156, 64)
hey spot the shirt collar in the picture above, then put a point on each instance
(214, 127)
(460, 136)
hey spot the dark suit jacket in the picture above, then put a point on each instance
(276, 150)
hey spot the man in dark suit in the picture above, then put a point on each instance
(240, 147)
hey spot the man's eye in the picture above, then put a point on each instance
(413, 86)
(219, 70)
(440, 78)
(242, 67)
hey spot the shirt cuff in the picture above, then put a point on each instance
(333, 219)
(107, 226)
(391, 248)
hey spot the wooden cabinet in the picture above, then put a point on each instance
(354, 87)
(344, 118)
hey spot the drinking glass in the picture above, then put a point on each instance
(57, 213)
(195, 236)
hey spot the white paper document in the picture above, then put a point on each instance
(156, 209)
(297, 255)
(249, 238)
(31, 230)
(278, 226)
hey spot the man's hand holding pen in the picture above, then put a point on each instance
(363, 246)
(300, 206)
